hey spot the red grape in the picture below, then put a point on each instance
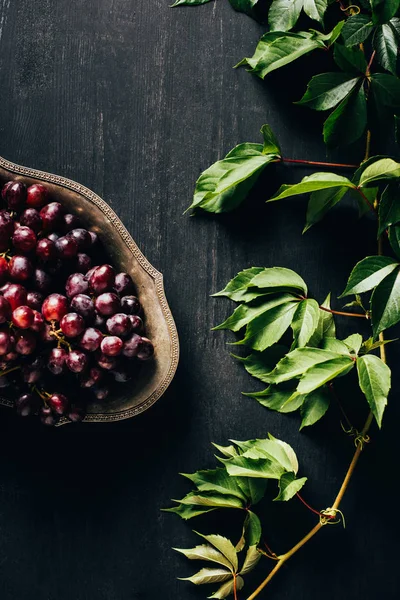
(136, 322)
(76, 284)
(46, 250)
(15, 294)
(47, 417)
(123, 284)
(4, 272)
(102, 279)
(52, 215)
(111, 345)
(132, 346)
(42, 281)
(31, 218)
(146, 349)
(20, 268)
(70, 222)
(119, 324)
(5, 343)
(38, 322)
(58, 403)
(83, 262)
(23, 317)
(107, 304)
(66, 247)
(5, 310)
(34, 300)
(56, 360)
(24, 239)
(91, 339)
(106, 362)
(25, 405)
(72, 325)
(76, 361)
(82, 238)
(101, 393)
(83, 305)
(130, 305)
(25, 342)
(54, 307)
(14, 193)
(36, 195)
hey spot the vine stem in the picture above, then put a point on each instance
(318, 163)
(343, 314)
(235, 597)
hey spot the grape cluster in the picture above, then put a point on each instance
(65, 323)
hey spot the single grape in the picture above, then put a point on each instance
(111, 345)
(38, 322)
(31, 374)
(20, 268)
(52, 216)
(130, 305)
(83, 305)
(90, 379)
(107, 304)
(106, 362)
(25, 342)
(101, 393)
(70, 222)
(102, 279)
(119, 324)
(55, 307)
(25, 405)
(46, 249)
(146, 349)
(42, 281)
(5, 343)
(24, 239)
(31, 218)
(72, 324)
(5, 310)
(6, 225)
(136, 322)
(76, 361)
(100, 322)
(76, 284)
(56, 360)
(14, 193)
(91, 339)
(23, 317)
(89, 273)
(15, 294)
(132, 346)
(36, 196)
(4, 271)
(66, 247)
(83, 262)
(58, 403)
(34, 300)
(82, 238)
(47, 417)
(123, 284)
(76, 413)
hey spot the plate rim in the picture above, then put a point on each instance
(110, 214)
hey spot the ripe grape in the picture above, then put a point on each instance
(107, 304)
(54, 307)
(70, 222)
(14, 193)
(31, 374)
(146, 349)
(38, 322)
(52, 215)
(5, 310)
(15, 294)
(123, 284)
(34, 300)
(76, 414)
(83, 305)
(102, 279)
(101, 393)
(4, 272)
(5, 343)
(76, 284)
(111, 345)
(25, 405)
(23, 317)
(83, 262)
(47, 417)
(76, 361)
(24, 239)
(36, 196)
(132, 346)
(66, 247)
(31, 218)
(42, 281)
(136, 322)
(56, 360)
(106, 362)
(20, 268)
(58, 403)
(119, 324)
(25, 342)
(72, 325)
(82, 238)
(91, 339)
(130, 305)
(46, 249)
(90, 379)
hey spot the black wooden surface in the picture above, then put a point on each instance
(134, 99)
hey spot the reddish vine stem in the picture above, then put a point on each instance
(316, 512)
(319, 163)
(343, 314)
(234, 588)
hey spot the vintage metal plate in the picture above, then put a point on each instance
(156, 375)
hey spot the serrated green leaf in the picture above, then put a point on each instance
(227, 588)
(356, 29)
(258, 364)
(394, 239)
(211, 499)
(381, 170)
(284, 14)
(374, 380)
(237, 286)
(271, 144)
(251, 560)
(350, 60)
(271, 448)
(205, 552)
(277, 49)
(368, 273)
(316, 376)
(289, 486)
(385, 45)
(305, 322)
(369, 345)
(334, 345)
(385, 303)
(276, 398)
(314, 407)
(208, 576)
(254, 467)
(268, 328)
(312, 183)
(280, 279)
(252, 526)
(223, 545)
(228, 451)
(326, 324)
(244, 6)
(384, 10)
(315, 9)
(254, 489)
(216, 480)
(187, 512)
(387, 88)
(320, 203)
(297, 362)
(326, 90)
(354, 342)
(347, 123)
(244, 314)
(389, 207)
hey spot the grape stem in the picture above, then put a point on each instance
(10, 370)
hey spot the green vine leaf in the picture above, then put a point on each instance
(348, 121)
(385, 303)
(268, 328)
(326, 324)
(187, 512)
(223, 545)
(289, 486)
(207, 553)
(278, 398)
(258, 364)
(326, 90)
(394, 239)
(380, 170)
(211, 499)
(368, 273)
(251, 560)
(208, 576)
(252, 528)
(237, 287)
(226, 183)
(384, 10)
(305, 322)
(280, 454)
(321, 373)
(389, 207)
(244, 6)
(354, 342)
(320, 203)
(244, 314)
(314, 407)
(357, 29)
(374, 380)
(217, 480)
(350, 60)
(299, 362)
(284, 14)
(386, 45)
(312, 183)
(227, 588)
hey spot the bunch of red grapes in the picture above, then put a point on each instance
(68, 328)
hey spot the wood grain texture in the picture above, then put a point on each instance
(134, 99)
